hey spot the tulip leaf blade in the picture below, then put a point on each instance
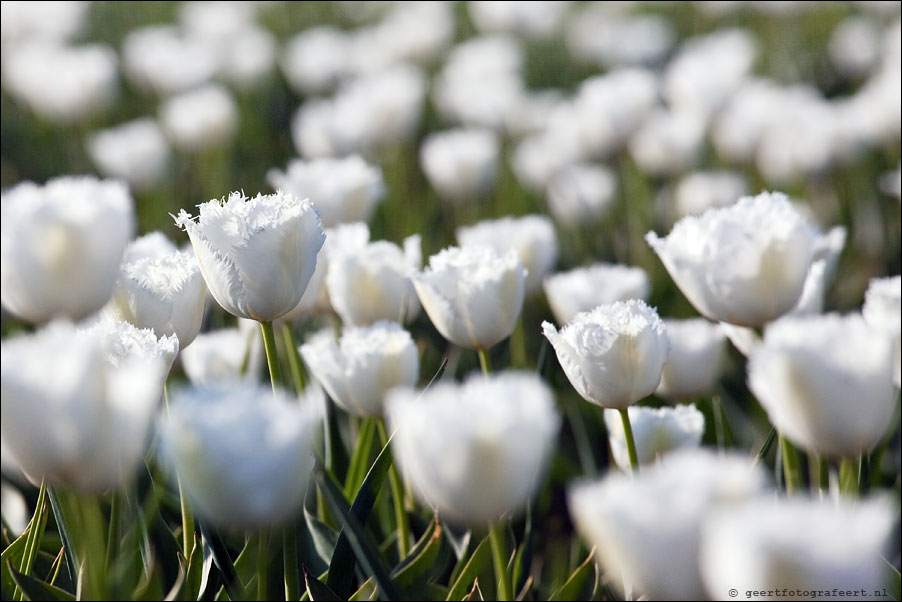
(223, 562)
(893, 579)
(367, 591)
(357, 469)
(422, 557)
(11, 556)
(479, 561)
(317, 590)
(323, 537)
(572, 589)
(35, 589)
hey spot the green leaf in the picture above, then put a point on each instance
(357, 469)
(12, 556)
(573, 587)
(341, 567)
(364, 549)
(323, 536)
(893, 580)
(34, 589)
(478, 562)
(421, 558)
(317, 590)
(223, 562)
(367, 591)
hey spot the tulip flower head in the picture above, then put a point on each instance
(744, 264)
(55, 259)
(136, 152)
(460, 164)
(584, 289)
(614, 354)
(825, 382)
(473, 295)
(657, 431)
(697, 349)
(223, 356)
(363, 365)
(257, 255)
(474, 472)
(882, 310)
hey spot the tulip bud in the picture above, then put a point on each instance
(696, 356)
(584, 289)
(460, 164)
(656, 431)
(222, 356)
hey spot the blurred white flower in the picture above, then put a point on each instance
(825, 382)
(581, 193)
(476, 451)
(609, 36)
(882, 310)
(164, 294)
(316, 59)
(343, 190)
(854, 46)
(797, 544)
(153, 245)
(87, 426)
(584, 289)
(657, 431)
(531, 113)
(739, 126)
(668, 143)
(15, 511)
(891, 183)
(218, 357)
(826, 251)
(200, 119)
(699, 191)
(257, 255)
(647, 527)
(695, 363)
(532, 19)
(460, 164)
(472, 295)
(61, 84)
(373, 282)
(744, 264)
(410, 31)
(539, 157)
(136, 152)
(363, 365)
(531, 236)
(61, 244)
(55, 21)
(614, 354)
(160, 59)
(243, 456)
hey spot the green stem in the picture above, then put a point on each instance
(499, 560)
(791, 466)
(397, 494)
(630, 442)
(272, 360)
(518, 345)
(187, 517)
(765, 447)
(290, 562)
(263, 566)
(864, 473)
(294, 358)
(484, 361)
(717, 411)
(112, 542)
(823, 475)
(33, 540)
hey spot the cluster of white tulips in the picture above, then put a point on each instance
(523, 319)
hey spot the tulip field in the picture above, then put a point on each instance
(451, 300)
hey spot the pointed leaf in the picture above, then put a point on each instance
(894, 579)
(34, 589)
(367, 591)
(223, 562)
(12, 556)
(573, 587)
(323, 536)
(421, 558)
(317, 590)
(478, 562)
(360, 461)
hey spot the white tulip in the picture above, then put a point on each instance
(200, 119)
(668, 143)
(744, 264)
(531, 236)
(882, 310)
(315, 60)
(55, 260)
(136, 152)
(537, 20)
(581, 192)
(373, 282)
(77, 406)
(699, 191)
(826, 382)
(159, 58)
(153, 245)
(257, 255)
(656, 431)
(584, 289)
(614, 354)
(166, 295)
(363, 365)
(697, 349)
(243, 457)
(475, 451)
(647, 527)
(460, 164)
(826, 251)
(472, 295)
(769, 546)
(219, 356)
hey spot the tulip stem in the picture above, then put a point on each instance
(397, 494)
(33, 539)
(823, 475)
(484, 361)
(112, 542)
(187, 518)
(630, 441)
(864, 473)
(792, 470)
(499, 559)
(263, 565)
(294, 358)
(290, 562)
(272, 360)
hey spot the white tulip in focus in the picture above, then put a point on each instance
(657, 431)
(744, 264)
(584, 289)
(581, 193)
(220, 356)
(697, 349)
(614, 354)
(136, 152)
(343, 190)
(200, 119)
(166, 295)
(473, 295)
(61, 244)
(374, 283)
(363, 365)
(77, 406)
(826, 382)
(647, 527)
(243, 456)
(531, 236)
(257, 255)
(882, 310)
(475, 451)
(460, 164)
(798, 544)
